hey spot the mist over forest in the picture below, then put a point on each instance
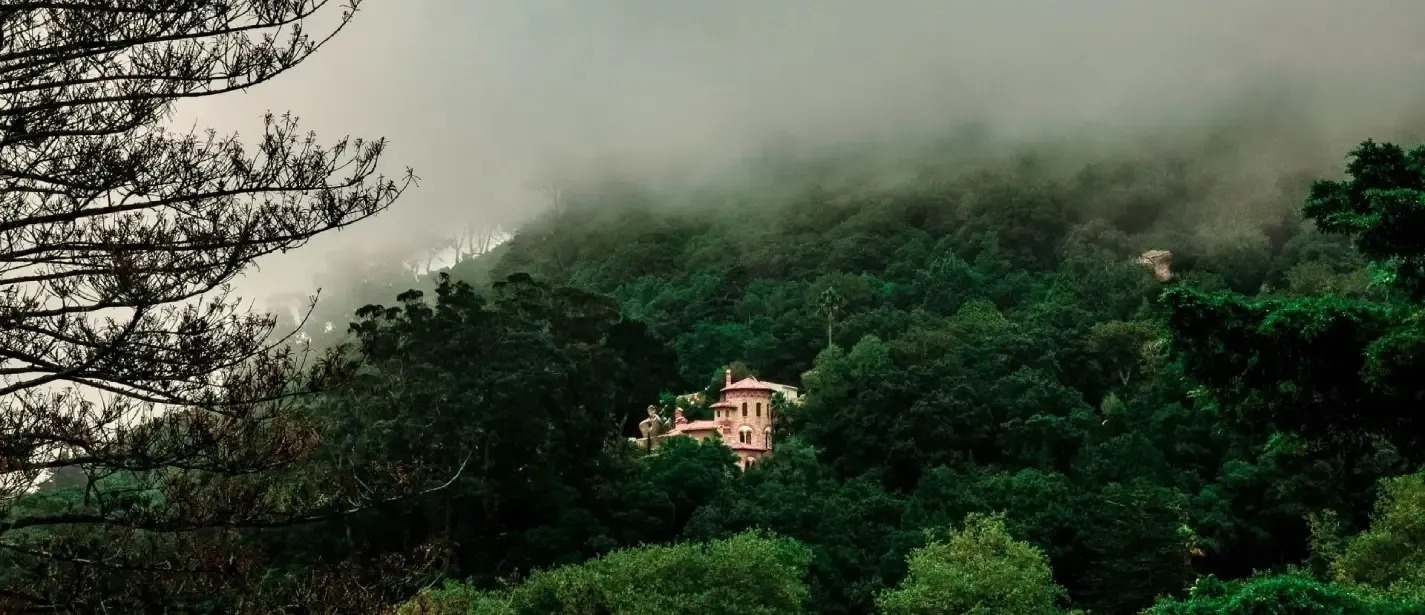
(492, 101)
(778, 307)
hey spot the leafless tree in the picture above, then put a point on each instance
(477, 239)
(122, 351)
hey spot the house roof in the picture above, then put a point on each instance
(698, 426)
(748, 384)
(738, 446)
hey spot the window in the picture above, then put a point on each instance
(749, 462)
(744, 409)
(767, 436)
(759, 409)
(744, 435)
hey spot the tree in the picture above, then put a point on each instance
(1119, 347)
(1288, 594)
(526, 392)
(976, 570)
(122, 351)
(1390, 555)
(850, 527)
(1338, 370)
(1135, 547)
(1379, 207)
(477, 239)
(1326, 381)
(829, 307)
(746, 573)
(689, 474)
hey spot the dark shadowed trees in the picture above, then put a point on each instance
(1328, 383)
(526, 391)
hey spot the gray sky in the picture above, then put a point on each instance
(482, 96)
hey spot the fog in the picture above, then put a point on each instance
(485, 99)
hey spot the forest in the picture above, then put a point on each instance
(1004, 410)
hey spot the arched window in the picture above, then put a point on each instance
(744, 409)
(759, 409)
(767, 436)
(744, 435)
(749, 462)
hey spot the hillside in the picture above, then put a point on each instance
(994, 347)
(659, 308)
(1003, 409)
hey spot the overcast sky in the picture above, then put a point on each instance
(479, 96)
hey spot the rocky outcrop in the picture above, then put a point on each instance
(1160, 262)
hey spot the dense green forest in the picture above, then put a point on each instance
(1004, 412)
(1004, 409)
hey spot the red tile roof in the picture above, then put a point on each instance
(698, 426)
(748, 384)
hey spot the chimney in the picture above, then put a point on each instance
(727, 377)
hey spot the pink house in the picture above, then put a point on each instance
(742, 418)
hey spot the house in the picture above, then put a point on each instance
(743, 417)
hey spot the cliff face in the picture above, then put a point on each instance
(1160, 262)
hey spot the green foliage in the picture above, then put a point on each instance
(977, 570)
(968, 344)
(1324, 383)
(1382, 207)
(976, 387)
(690, 475)
(852, 528)
(1316, 346)
(1317, 278)
(1013, 341)
(1121, 348)
(1281, 595)
(1390, 555)
(520, 396)
(1118, 547)
(1136, 546)
(743, 574)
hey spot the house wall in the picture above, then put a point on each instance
(754, 410)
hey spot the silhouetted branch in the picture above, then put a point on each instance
(122, 350)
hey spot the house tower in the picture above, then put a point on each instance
(745, 418)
